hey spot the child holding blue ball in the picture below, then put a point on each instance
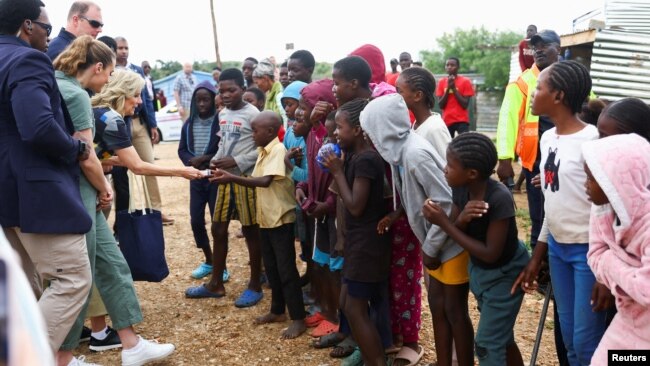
(359, 176)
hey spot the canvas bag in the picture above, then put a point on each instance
(141, 236)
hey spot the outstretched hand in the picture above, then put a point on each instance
(220, 176)
(191, 173)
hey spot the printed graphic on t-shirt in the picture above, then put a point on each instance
(231, 133)
(551, 171)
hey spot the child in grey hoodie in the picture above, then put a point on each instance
(418, 175)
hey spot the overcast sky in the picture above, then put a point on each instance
(330, 29)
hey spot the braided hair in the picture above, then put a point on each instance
(573, 79)
(421, 79)
(632, 115)
(353, 109)
(475, 151)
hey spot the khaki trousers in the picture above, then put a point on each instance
(61, 259)
(142, 143)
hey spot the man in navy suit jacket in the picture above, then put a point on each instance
(41, 211)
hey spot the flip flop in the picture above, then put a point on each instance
(324, 328)
(248, 298)
(201, 292)
(314, 320)
(409, 355)
(327, 341)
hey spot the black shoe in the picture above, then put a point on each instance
(85, 334)
(111, 341)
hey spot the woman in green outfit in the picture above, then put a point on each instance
(88, 64)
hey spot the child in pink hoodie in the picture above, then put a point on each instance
(618, 175)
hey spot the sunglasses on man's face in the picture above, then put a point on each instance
(45, 26)
(93, 23)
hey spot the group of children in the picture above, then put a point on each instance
(403, 198)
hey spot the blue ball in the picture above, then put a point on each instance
(326, 150)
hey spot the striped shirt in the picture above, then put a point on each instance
(201, 134)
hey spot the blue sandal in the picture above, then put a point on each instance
(203, 270)
(355, 359)
(201, 292)
(249, 298)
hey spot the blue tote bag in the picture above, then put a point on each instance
(141, 236)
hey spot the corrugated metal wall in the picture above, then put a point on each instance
(515, 69)
(620, 65)
(632, 15)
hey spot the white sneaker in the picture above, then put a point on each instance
(146, 351)
(81, 361)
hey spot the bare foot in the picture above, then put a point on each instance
(270, 318)
(296, 328)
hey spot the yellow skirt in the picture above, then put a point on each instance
(453, 271)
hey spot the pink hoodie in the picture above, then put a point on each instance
(619, 237)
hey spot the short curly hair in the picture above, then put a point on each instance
(14, 12)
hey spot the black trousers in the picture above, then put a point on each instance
(121, 187)
(279, 255)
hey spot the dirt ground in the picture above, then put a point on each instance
(214, 332)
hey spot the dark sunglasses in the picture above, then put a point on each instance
(47, 27)
(93, 23)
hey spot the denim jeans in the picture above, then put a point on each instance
(573, 281)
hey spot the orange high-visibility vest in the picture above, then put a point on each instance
(528, 134)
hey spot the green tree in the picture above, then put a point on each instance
(479, 51)
(165, 68)
(322, 70)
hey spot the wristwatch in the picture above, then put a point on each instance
(82, 148)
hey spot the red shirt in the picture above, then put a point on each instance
(392, 78)
(453, 112)
(526, 55)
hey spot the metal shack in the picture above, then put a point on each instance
(614, 44)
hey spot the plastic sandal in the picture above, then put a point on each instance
(313, 320)
(249, 298)
(201, 271)
(355, 359)
(409, 355)
(201, 292)
(324, 328)
(226, 276)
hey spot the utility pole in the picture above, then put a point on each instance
(214, 32)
